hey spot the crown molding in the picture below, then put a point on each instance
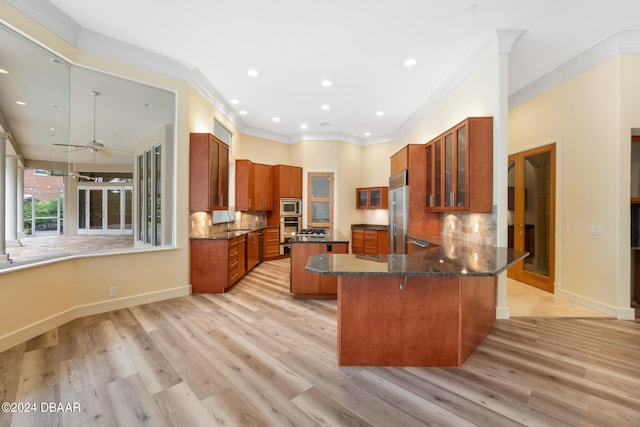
(621, 42)
(50, 17)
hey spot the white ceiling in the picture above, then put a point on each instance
(360, 45)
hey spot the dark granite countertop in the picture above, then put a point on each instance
(334, 236)
(451, 258)
(370, 226)
(226, 235)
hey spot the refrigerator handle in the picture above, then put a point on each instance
(394, 228)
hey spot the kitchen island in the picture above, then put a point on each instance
(307, 285)
(427, 309)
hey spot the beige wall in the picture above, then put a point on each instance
(34, 299)
(590, 118)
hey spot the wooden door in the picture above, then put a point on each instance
(531, 215)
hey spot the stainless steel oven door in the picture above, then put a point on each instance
(289, 227)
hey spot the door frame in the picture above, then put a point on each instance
(517, 272)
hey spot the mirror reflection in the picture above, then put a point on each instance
(88, 155)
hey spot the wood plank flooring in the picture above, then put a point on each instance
(256, 357)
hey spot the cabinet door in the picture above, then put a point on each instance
(449, 148)
(375, 198)
(223, 175)
(362, 198)
(437, 173)
(296, 182)
(263, 187)
(245, 185)
(462, 162)
(214, 175)
(357, 241)
(252, 250)
(430, 181)
(242, 256)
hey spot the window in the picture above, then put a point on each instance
(149, 171)
(320, 200)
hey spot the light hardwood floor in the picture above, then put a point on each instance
(256, 357)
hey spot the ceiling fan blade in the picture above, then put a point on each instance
(123, 153)
(69, 145)
(104, 152)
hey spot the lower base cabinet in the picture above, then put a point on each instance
(364, 241)
(305, 284)
(271, 243)
(207, 256)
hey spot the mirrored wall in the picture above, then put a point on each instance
(88, 130)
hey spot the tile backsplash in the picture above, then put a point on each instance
(471, 227)
(201, 223)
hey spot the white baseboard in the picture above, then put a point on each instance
(38, 328)
(620, 313)
(503, 313)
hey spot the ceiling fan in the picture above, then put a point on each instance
(96, 147)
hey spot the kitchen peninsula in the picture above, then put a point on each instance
(427, 309)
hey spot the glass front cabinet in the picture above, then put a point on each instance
(459, 168)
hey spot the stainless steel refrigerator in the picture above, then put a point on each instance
(398, 217)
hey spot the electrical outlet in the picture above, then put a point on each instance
(113, 291)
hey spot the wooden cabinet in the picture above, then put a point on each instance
(254, 186)
(369, 241)
(264, 187)
(459, 168)
(287, 181)
(253, 250)
(412, 158)
(245, 185)
(357, 241)
(305, 284)
(208, 173)
(215, 265)
(271, 243)
(372, 198)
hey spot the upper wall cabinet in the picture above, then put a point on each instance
(208, 173)
(459, 168)
(254, 186)
(372, 198)
(288, 180)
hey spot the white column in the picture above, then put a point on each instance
(20, 202)
(11, 201)
(4, 138)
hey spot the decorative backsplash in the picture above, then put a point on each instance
(201, 223)
(471, 227)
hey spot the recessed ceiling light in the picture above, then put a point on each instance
(243, 112)
(326, 83)
(325, 107)
(367, 134)
(235, 101)
(147, 105)
(3, 71)
(410, 62)
(21, 103)
(276, 119)
(325, 124)
(303, 126)
(252, 73)
(379, 113)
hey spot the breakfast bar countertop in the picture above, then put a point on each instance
(450, 258)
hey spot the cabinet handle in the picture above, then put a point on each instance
(431, 200)
(451, 199)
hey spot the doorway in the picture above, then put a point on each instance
(531, 215)
(105, 210)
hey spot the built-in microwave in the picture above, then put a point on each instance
(290, 207)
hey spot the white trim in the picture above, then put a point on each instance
(620, 313)
(503, 313)
(623, 41)
(22, 335)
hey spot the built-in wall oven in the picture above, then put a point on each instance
(289, 227)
